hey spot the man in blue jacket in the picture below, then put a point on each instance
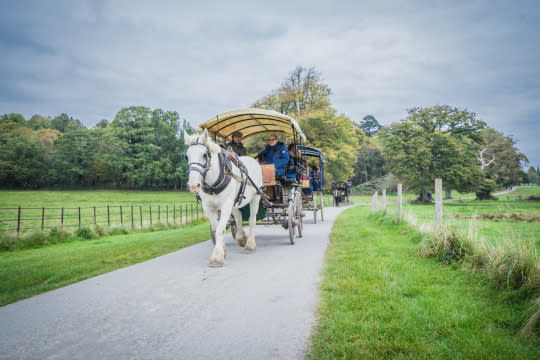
(274, 153)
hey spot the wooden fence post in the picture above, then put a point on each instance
(79, 212)
(186, 213)
(383, 202)
(191, 212)
(174, 214)
(167, 210)
(132, 222)
(62, 218)
(42, 218)
(140, 215)
(150, 207)
(108, 216)
(374, 201)
(121, 216)
(438, 203)
(18, 220)
(159, 214)
(399, 201)
(180, 207)
(197, 207)
(95, 222)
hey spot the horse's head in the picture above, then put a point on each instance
(198, 156)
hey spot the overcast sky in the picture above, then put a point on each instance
(90, 58)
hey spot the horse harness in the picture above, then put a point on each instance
(226, 159)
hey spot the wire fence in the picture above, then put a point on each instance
(134, 216)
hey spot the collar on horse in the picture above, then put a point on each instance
(225, 170)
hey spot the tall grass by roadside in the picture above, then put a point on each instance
(58, 234)
(379, 300)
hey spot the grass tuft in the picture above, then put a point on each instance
(448, 244)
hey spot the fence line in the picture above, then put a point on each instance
(20, 219)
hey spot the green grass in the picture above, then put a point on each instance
(30, 272)
(75, 198)
(381, 300)
(32, 202)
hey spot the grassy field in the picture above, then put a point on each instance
(381, 300)
(492, 220)
(30, 272)
(149, 207)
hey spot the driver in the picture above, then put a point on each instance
(274, 153)
(236, 144)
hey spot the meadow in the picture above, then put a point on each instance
(75, 208)
(380, 299)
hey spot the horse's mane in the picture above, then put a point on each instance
(212, 146)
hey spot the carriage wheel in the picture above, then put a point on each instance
(291, 223)
(299, 217)
(322, 208)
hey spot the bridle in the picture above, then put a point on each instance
(197, 166)
(225, 169)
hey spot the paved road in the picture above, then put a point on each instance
(258, 306)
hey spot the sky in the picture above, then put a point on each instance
(91, 58)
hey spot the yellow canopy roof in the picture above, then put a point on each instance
(251, 122)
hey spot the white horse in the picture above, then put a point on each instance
(205, 167)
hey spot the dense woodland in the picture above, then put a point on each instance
(143, 148)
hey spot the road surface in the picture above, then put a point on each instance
(258, 306)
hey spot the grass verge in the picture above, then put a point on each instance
(379, 299)
(30, 272)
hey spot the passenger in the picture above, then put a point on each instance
(236, 144)
(315, 177)
(294, 163)
(274, 153)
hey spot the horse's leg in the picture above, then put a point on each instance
(240, 234)
(218, 255)
(253, 209)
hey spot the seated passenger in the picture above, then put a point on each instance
(236, 144)
(315, 177)
(274, 153)
(294, 163)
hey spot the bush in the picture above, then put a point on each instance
(118, 231)
(512, 265)
(85, 233)
(485, 190)
(59, 234)
(99, 230)
(448, 245)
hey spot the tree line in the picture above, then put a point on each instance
(139, 149)
(143, 148)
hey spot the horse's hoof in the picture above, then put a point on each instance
(250, 247)
(241, 243)
(215, 265)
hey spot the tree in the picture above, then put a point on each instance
(73, 158)
(370, 125)
(370, 163)
(9, 122)
(499, 158)
(301, 92)
(533, 176)
(64, 123)
(434, 142)
(38, 122)
(22, 160)
(337, 137)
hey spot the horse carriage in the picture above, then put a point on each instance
(312, 181)
(236, 188)
(341, 191)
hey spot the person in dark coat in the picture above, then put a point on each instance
(274, 153)
(236, 144)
